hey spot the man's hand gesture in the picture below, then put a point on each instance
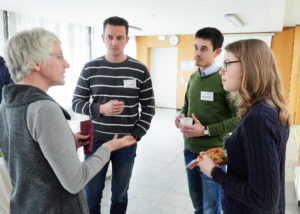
(112, 107)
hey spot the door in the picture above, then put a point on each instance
(164, 76)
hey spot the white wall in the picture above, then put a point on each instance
(164, 76)
(266, 37)
(2, 42)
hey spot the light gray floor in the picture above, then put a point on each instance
(159, 184)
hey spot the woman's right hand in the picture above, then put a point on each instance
(116, 143)
(206, 165)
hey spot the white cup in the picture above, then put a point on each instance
(186, 121)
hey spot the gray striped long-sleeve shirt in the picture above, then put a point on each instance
(103, 81)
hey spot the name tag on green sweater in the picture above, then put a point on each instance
(207, 96)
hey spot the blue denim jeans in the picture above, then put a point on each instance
(206, 194)
(122, 164)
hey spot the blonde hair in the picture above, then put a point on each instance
(26, 49)
(261, 78)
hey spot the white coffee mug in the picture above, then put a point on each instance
(186, 121)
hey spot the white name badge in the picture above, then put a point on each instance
(207, 96)
(130, 83)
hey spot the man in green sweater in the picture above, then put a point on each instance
(214, 117)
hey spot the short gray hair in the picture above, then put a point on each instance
(28, 48)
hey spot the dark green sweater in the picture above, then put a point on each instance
(218, 115)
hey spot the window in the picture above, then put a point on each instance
(74, 44)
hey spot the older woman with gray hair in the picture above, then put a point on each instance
(38, 145)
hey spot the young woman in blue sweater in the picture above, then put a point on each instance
(254, 181)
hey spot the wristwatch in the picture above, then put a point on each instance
(206, 132)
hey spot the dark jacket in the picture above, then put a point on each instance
(36, 188)
(5, 78)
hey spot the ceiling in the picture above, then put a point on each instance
(165, 17)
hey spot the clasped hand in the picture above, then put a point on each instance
(195, 130)
(82, 139)
(113, 107)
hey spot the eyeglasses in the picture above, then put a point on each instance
(58, 55)
(225, 64)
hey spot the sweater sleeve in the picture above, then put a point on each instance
(49, 128)
(146, 99)
(261, 189)
(228, 125)
(81, 98)
(184, 109)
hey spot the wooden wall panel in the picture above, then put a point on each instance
(185, 53)
(286, 48)
(295, 78)
(144, 45)
(282, 47)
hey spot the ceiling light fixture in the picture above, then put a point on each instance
(234, 20)
(136, 28)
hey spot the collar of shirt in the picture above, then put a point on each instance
(209, 70)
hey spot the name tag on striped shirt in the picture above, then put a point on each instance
(130, 83)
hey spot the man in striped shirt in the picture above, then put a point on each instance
(117, 85)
